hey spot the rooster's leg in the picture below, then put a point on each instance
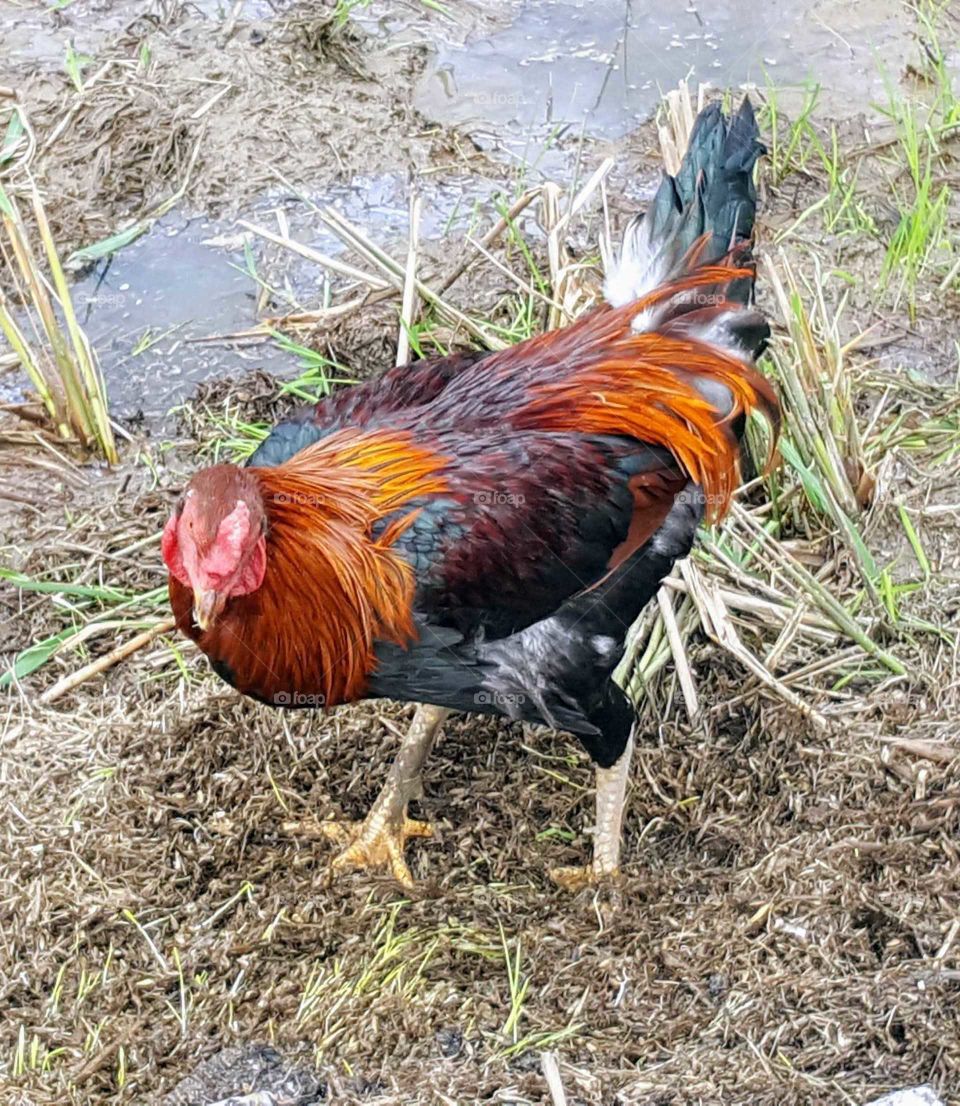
(611, 796)
(379, 840)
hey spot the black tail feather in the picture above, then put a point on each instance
(712, 197)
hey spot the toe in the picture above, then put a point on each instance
(374, 845)
(398, 865)
(571, 879)
(413, 828)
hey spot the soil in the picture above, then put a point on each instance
(788, 928)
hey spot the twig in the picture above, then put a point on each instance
(100, 1059)
(809, 584)
(717, 624)
(597, 179)
(67, 118)
(409, 304)
(357, 240)
(310, 254)
(568, 293)
(489, 238)
(551, 1072)
(941, 752)
(816, 624)
(558, 256)
(101, 664)
(230, 23)
(680, 662)
(362, 244)
(948, 941)
(524, 285)
(214, 99)
(139, 927)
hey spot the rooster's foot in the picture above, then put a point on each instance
(604, 870)
(375, 844)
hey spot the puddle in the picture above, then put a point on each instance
(551, 67)
(144, 308)
(141, 308)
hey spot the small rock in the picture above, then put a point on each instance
(910, 1096)
(717, 985)
(450, 1042)
(792, 929)
(227, 241)
(250, 1075)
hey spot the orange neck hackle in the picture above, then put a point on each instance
(331, 588)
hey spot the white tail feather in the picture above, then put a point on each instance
(636, 270)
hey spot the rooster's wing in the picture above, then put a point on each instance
(529, 520)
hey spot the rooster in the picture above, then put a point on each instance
(477, 532)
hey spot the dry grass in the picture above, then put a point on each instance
(787, 929)
(39, 323)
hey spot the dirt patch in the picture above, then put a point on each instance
(235, 101)
(222, 113)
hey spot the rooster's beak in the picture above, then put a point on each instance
(207, 607)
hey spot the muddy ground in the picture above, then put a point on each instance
(788, 929)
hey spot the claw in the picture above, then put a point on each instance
(375, 844)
